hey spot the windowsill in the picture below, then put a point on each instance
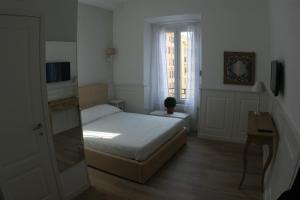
(180, 107)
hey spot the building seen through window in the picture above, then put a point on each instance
(177, 61)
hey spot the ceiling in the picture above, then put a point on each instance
(107, 4)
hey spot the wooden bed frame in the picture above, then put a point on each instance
(138, 171)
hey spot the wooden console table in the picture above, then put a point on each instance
(261, 131)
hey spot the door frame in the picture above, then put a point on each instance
(45, 111)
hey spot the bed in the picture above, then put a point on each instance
(129, 145)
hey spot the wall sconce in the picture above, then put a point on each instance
(110, 52)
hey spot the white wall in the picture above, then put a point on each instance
(285, 46)
(60, 16)
(231, 25)
(63, 52)
(95, 34)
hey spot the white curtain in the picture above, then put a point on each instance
(193, 72)
(159, 84)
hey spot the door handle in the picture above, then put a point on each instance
(38, 127)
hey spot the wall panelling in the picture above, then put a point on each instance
(224, 113)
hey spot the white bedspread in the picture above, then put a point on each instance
(129, 135)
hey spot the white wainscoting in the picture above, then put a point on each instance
(244, 102)
(284, 167)
(224, 114)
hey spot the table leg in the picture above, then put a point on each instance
(245, 163)
(268, 162)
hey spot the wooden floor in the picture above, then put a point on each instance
(205, 170)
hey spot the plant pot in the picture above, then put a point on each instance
(170, 110)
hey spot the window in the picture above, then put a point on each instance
(176, 72)
(177, 61)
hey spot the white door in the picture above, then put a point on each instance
(26, 172)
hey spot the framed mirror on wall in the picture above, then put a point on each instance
(239, 68)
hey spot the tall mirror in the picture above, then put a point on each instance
(62, 87)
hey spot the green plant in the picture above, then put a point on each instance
(170, 102)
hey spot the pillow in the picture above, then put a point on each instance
(96, 112)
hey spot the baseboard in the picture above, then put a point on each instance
(223, 139)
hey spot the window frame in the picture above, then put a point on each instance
(177, 30)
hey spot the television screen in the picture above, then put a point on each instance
(58, 71)
(276, 77)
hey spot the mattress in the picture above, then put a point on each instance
(129, 135)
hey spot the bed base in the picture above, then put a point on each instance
(138, 171)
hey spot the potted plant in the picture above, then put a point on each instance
(170, 104)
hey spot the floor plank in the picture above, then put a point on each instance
(203, 169)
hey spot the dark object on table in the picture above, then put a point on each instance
(265, 130)
(277, 77)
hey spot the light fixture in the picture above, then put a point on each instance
(259, 88)
(110, 52)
